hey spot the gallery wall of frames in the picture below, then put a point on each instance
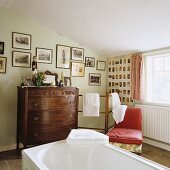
(119, 78)
(67, 57)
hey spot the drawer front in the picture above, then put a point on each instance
(60, 92)
(49, 118)
(48, 135)
(39, 92)
(51, 103)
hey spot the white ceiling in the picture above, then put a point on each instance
(111, 27)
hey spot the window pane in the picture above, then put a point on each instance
(158, 63)
(167, 79)
(167, 63)
(158, 78)
(158, 90)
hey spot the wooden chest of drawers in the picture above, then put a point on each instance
(45, 114)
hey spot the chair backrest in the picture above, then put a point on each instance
(132, 119)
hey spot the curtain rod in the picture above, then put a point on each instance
(145, 52)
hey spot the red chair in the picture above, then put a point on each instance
(128, 133)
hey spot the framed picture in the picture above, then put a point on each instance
(77, 54)
(44, 55)
(89, 62)
(63, 56)
(94, 79)
(21, 41)
(3, 62)
(101, 65)
(50, 79)
(1, 47)
(27, 81)
(21, 59)
(67, 81)
(77, 69)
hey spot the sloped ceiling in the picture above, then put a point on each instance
(111, 27)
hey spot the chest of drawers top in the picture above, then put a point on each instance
(49, 91)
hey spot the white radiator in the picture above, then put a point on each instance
(156, 122)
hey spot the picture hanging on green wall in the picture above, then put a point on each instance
(21, 41)
(3, 62)
(44, 55)
(77, 69)
(21, 59)
(77, 54)
(1, 47)
(63, 56)
(94, 79)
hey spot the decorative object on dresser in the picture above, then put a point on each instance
(3, 62)
(50, 79)
(67, 81)
(21, 41)
(45, 114)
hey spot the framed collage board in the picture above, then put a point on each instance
(119, 78)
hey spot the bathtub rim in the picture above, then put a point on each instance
(31, 155)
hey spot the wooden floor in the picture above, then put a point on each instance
(11, 160)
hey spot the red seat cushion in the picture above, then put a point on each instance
(126, 136)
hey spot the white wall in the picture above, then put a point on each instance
(44, 38)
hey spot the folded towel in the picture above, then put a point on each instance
(91, 104)
(119, 113)
(86, 136)
(118, 110)
(115, 100)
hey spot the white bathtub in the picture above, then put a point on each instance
(63, 156)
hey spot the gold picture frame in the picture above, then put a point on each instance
(77, 69)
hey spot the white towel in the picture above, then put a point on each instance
(118, 110)
(86, 136)
(91, 104)
(115, 100)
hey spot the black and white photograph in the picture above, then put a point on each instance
(3, 62)
(101, 65)
(89, 62)
(63, 56)
(67, 81)
(21, 59)
(77, 54)
(21, 41)
(1, 47)
(94, 79)
(44, 55)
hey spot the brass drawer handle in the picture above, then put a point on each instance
(71, 102)
(36, 118)
(46, 93)
(71, 115)
(35, 134)
(35, 104)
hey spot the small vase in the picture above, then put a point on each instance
(38, 83)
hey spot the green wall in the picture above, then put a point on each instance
(44, 38)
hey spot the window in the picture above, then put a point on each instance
(158, 78)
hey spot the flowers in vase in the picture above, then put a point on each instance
(38, 78)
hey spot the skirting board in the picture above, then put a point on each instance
(9, 147)
(156, 143)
